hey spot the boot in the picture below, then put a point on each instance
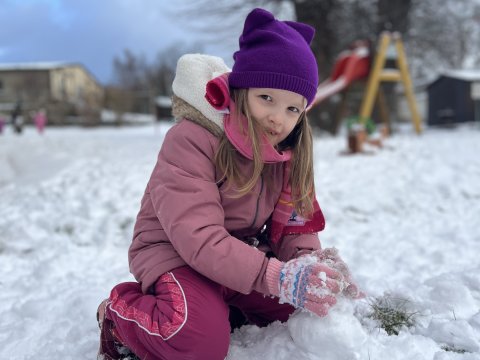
(110, 348)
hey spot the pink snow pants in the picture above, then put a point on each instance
(186, 317)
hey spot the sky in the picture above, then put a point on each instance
(93, 32)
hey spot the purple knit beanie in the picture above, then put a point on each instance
(275, 54)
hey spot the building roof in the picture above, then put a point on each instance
(469, 75)
(163, 101)
(34, 65)
(45, 65)
(463, 74)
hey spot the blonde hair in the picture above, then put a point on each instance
(299, 141)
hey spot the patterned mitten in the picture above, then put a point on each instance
(305, 282)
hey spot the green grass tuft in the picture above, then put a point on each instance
(453, 349)
(392, 314)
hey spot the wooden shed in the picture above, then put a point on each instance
(163, 108)
(454, 97)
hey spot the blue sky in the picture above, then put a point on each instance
(92, 32)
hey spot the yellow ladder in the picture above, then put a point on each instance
(379, 74)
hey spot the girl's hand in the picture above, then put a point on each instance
(330, 257)
(305, 282)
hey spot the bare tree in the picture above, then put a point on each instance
(322, 14)
(138, 82)
(161, 73)
(129, 70)
(393, 15)
(337, 22)
(118, 100)
(443, 37)
(436, 35)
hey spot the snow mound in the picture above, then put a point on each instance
(337, 336)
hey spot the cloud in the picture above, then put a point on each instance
(89, 31)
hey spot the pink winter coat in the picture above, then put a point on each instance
(187, 218)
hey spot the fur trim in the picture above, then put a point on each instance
(193, 73)
(183, 110)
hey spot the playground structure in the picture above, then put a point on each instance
(360, 65)
(351, 65)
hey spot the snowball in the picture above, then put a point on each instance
(337, 336)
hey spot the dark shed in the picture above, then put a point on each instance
(163, 108)
(453, 98)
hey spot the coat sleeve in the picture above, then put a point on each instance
(187, 202)
(292, 246)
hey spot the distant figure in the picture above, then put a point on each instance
(17, 118)
(2, 123)
(40, 120)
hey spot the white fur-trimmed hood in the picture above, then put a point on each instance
(193, 73)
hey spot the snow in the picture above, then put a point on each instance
(110, 117)
(163, 101)
(404, 218)
(464, 74)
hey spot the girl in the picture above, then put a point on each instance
(228, 222)
(40, 120)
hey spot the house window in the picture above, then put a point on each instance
(1, 86)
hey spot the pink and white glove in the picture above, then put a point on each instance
(305, 283)
(330, 257)
(311, 281)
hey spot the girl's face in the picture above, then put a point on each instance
(276, 111)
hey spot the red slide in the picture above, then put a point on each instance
(351, 65)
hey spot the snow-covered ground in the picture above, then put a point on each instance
(406, 219)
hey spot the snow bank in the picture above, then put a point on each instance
(404, 219)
